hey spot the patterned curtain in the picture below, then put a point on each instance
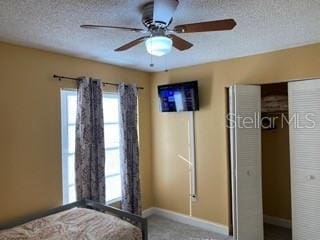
(90, 154)
(129, 150)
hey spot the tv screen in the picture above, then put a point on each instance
(179, 97)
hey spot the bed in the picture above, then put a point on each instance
(80, 220)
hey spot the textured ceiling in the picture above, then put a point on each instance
(263, 25)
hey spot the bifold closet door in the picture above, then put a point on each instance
(245, 140)
(304, 112)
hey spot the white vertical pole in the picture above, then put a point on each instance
(233, 160)
(192, 157)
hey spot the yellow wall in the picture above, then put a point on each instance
(276, 171)
(169, 130)
(30, 151)
(30, 148)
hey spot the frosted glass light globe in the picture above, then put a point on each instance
(159, 45)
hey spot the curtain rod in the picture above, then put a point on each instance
(78, 79)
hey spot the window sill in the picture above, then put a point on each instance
(115, 202)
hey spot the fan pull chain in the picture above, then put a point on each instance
(166, 63)
(151, 61)
(151, 58)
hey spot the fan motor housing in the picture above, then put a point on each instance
(147, 17)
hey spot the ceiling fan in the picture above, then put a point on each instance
(159, 39)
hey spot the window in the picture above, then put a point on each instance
(112, 142)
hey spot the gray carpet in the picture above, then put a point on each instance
(165, 229)
(276, 233)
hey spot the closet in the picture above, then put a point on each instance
(257, 184)
(275, 156)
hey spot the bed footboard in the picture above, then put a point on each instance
(132, 218)
(129, 217)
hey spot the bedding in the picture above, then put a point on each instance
(76, 223)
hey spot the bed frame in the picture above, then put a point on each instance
(132, 218)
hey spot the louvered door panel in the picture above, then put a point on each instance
(246, 158)
(304, 113)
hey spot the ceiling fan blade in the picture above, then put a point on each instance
(180, 43)
(219, 25)
(113, 27)
(130, 44)
(163, 10)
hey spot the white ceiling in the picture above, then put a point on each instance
(263, 26)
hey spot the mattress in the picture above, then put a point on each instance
(76, 223)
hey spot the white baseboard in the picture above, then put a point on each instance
(182, 218)
(277, 221)
(148, 212)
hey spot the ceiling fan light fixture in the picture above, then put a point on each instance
(158, 45)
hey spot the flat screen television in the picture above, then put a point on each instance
(179, 97)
